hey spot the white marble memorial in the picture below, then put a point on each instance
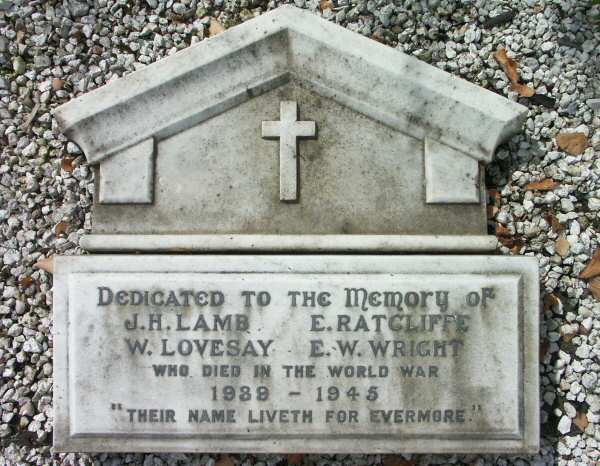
(286, 135)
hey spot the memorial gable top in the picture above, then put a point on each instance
(289, 125)
(219, 73)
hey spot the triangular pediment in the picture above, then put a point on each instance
(220, 73)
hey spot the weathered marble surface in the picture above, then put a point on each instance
(487, 376)
(358, 177)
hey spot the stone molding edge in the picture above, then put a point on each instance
(289, 243)
(269, 50)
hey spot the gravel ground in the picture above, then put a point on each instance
(544, 186)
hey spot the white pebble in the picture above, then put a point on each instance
(564, 425)
(32, 346)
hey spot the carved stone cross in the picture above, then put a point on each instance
(288, 130)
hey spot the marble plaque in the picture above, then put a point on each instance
(246, 142)
(296, 354)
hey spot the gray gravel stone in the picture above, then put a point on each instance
(589, 380)
(11, 257)
(19, 66)
(78, 8)
(32, 346)
(54, 51)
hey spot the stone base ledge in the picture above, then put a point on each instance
(290, 243)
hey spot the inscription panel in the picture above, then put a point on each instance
(360, 353)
